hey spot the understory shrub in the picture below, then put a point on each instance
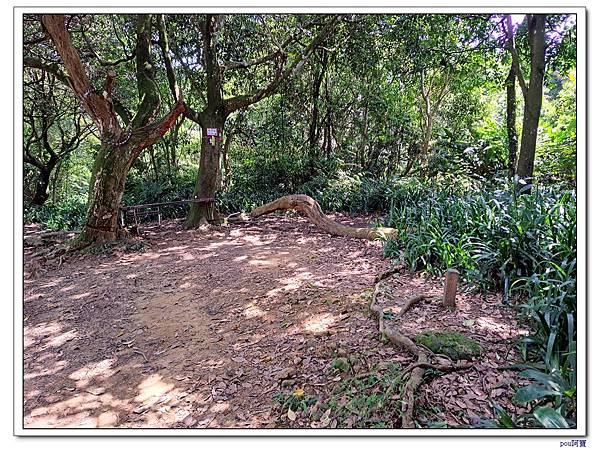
(67, 215)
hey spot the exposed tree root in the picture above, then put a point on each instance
(389, 273)
(311, 208)
(417, 369)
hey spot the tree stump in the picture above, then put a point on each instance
(450, 288)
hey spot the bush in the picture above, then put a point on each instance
(140, 190)
(66, 215)
(262, 179)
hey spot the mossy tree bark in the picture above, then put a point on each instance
(121, 142)
(207, 181)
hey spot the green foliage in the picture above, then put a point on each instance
(264, 178)
(366, 402)
(65, 215)
(558, 137)
(296, 400)
(141, 190)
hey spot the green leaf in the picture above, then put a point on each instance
(504, 419)
(549, 418)
(553, 382)
(532, 392)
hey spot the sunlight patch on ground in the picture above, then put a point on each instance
(59, 340)
(220, 408)
(218, 245)
(259, 241)
(54, 282)
(187, 257)
(42, 330)
(172, 249)
(319, 323)
(100, 370)
(252, 310)
(500, 329)
(77, 412)
(153, 388)
(291, 283)
(56, 367)
(262, 262)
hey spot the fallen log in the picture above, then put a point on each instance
(311, 208)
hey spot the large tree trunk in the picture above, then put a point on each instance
(119, 147)
(533, 96)
(511, 122)
(107, 185)
(207, 182)
(311, 208)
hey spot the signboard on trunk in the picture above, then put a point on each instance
(212, 132)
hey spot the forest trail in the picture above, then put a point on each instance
(205, 327)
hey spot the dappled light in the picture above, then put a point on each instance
(300, 221)
(319, 323)
(93, 371)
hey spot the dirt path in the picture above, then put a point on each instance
(205, 327)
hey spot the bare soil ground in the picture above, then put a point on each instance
(200, 329)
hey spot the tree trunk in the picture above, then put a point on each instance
(311, 208)
(531, 117)
(533, 96)
(207, 182)
(119, 147)
(313, 135)
(511, 119)
(107, 185)
(41, 187)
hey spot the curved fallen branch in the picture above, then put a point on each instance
(417, 369)
(311, 208)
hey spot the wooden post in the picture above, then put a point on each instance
(450, 287)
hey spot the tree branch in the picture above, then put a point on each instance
(148, 91)
(242, 101)
(148, 135)
(163, 42)
(52, 68)
(230, 65)
(101, 61)
(510, 42)
(96, 105)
